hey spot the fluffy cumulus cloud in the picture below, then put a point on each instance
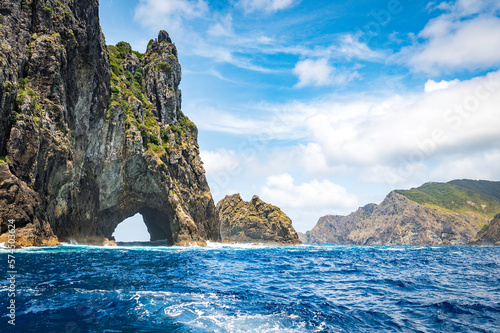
(267, 6)
(464, 37)
(313, 72)
(316, 194)
(313, 199)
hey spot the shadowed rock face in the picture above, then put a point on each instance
(87, 143)
(254, 222)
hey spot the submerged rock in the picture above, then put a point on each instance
(91, 135)
(254, 222)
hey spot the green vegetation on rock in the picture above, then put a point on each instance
(164, 67)
(24, 91)
(128, 88)
(46, 9)
(481, 197)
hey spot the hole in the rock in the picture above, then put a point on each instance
(132, 229)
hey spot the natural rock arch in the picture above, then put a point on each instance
(92, 134)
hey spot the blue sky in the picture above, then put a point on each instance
(322, 106)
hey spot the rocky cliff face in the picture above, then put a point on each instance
(254, 222)
(90, 135)
(397, 221)
(489, 233)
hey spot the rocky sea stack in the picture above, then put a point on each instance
(254, 221)
(91, 135)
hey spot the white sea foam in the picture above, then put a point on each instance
(208, 313)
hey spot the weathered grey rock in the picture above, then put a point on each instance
(162, 74)
(164, 37)
(254, 222)
(82, 157)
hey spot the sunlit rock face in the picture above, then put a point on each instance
(254, 221)
(91, 135)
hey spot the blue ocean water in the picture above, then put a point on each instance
(255, 289)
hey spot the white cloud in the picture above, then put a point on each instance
(313, 72)
(344, 47)
(305, 203)
(463, 38)
(267, 6)
(211, 119)
(219, 161)
(468, 7)
(220, 43)
(432, 85)
(320, 73)
(404, 131)
(224, 168)
(224, 43)
(168, 13)
(312, 159)
(475, 166)
(313, 195)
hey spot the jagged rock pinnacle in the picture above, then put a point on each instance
(164, 37)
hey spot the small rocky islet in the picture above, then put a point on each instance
(254, 221)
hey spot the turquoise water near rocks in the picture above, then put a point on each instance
(238, 288)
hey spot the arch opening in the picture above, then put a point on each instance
(132, 229)
(147, 225)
